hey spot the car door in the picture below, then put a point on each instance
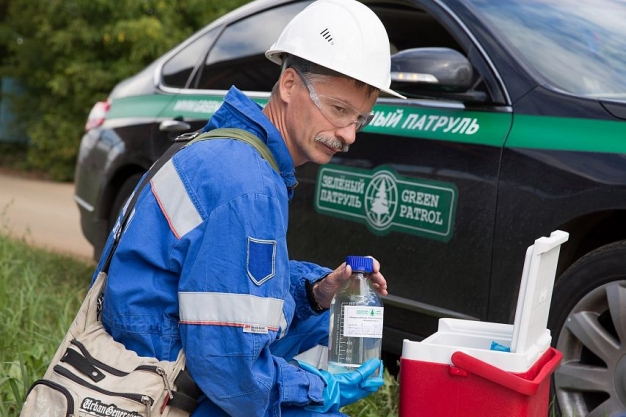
(418, 189)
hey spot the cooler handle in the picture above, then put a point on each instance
(511, 381)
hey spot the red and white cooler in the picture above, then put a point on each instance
(455, 371)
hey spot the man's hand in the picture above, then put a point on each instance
(325, 289)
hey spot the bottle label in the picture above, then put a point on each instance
(362, 321)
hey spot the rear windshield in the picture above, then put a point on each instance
(577, 45)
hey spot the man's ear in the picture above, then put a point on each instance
(286, 84)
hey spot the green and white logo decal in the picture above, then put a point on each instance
(386, 201)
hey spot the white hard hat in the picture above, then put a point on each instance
(342, 35)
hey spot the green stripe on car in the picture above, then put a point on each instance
(456, 125)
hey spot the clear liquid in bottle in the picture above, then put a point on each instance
(356, 320)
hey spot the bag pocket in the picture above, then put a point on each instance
(97, 401)
(47, 398)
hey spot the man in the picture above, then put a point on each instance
(203, 263)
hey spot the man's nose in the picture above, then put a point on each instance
(347, 134)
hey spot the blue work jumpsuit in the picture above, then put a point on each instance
(203, 265)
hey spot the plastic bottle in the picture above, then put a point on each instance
(356, 320)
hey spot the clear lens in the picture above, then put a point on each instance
(342, 114)
(338, 112)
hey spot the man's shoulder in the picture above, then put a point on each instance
(218, 152)
(220, 162)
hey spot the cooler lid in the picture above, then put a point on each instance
(535, 294)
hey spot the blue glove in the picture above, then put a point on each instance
(347, 387)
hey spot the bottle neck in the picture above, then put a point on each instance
(359, 279)
(360, 274)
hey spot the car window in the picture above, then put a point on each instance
(238, 56)
(578, 47)
(410, 27)
(178, 69)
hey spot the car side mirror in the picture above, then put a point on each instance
(433, 72)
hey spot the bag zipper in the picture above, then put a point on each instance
(160, 371)
(95, 362)
(61, 389)
(116, 372)
(138, 398)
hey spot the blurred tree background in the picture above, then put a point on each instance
(68, 54)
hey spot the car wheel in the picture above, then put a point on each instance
(122, 195)
(588, 318)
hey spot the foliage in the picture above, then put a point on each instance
(68, 54)
(12, 156)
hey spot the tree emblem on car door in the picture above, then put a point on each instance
(381, 200)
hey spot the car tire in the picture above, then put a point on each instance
(122, 195)
(588, 322)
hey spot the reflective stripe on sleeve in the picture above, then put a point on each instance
(170, 193)
(236, 310)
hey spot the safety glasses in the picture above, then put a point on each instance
(339, 113)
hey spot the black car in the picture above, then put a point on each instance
(513, 128)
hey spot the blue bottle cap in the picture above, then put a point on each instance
(360, 263)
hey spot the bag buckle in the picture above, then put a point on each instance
(185, 137)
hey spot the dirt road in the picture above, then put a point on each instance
(43, 213)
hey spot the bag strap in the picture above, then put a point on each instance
(187, 393)
(181, 141)
(242, 135)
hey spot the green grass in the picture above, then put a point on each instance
(40, 293)
(383, 403)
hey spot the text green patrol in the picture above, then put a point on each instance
(386, 201)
